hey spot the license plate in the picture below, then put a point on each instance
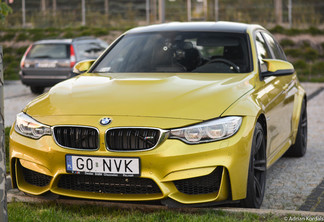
(46, 65)
(103, 166)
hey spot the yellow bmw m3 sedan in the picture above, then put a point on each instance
(191, 114)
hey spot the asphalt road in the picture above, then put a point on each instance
(292, 183)
(16, 97)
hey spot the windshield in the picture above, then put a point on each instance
(203, 52)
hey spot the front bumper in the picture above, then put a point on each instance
(188, 174)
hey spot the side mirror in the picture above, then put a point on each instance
(82, 66)
(277, 68)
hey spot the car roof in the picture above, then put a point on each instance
(232, 27)
(65, 41)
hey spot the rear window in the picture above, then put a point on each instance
(49, 51)
(90, 50)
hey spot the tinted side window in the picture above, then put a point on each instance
(89, 50)
(283, 55)
(278, 54)
(262, 51)
(49, 51)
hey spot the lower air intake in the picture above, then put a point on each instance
(34, 178)
(201, 185)
(109, 185)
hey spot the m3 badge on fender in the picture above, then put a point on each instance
(105, 121)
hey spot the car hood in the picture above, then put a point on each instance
(193, 96)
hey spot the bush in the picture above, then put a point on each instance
(22, 37)
(318, 68)
(82, 28)
(68, 34)
(305, 44)
(8, 36)
(295, 53)
(37, 36)
(11, 73)
(13, 65)
(100, 32)
(311, 54)
(300, 64)
(293, 31)
(315, 31)
(21, 50)
(322, 44)
(287, 43)
(51, 29)
(8, 50)
(52, 35)
(86, 33)
(8, 59)
(278, 29)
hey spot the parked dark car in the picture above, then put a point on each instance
(47, 62)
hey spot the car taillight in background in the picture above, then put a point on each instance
(72, 56)
(22, 62)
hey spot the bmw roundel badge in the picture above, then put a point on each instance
(105, 121)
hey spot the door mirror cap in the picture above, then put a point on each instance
(82, 66)
(277, 68)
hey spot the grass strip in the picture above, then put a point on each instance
(51, 212)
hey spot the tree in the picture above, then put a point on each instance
(278, 11)
(43, 6)
(4, 10)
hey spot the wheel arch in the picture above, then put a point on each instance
(263, 121)
(300, 97)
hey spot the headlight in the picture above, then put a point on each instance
(213, 130)
(29, 127)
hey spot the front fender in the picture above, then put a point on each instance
(245, 106)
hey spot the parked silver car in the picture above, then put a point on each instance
(47, 62)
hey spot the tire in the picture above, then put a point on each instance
(299, 148)
(257, 170)
(37, 89)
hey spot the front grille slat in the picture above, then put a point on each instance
(132, 139)
(65, 138)
(129, 138)
(73, 140)
(109, 185)
(120, 139)
(145, 142)
(59, 135)
(76, 137)
(86, 142)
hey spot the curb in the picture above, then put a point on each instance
(14, 195)
(283, 213)
(11, 82)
